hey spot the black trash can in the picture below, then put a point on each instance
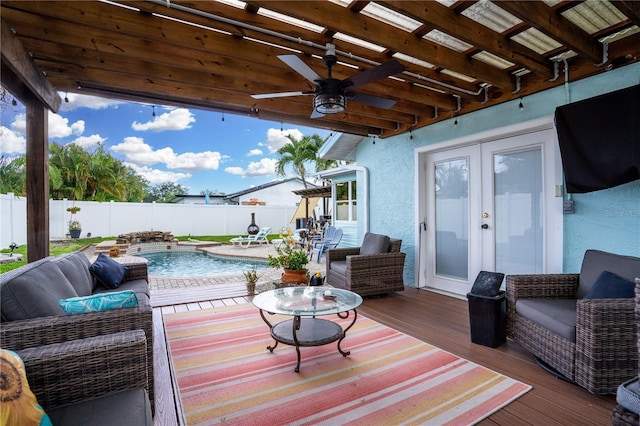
(488, 319)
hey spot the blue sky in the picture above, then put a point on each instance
(195, 148)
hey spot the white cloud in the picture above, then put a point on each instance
(276, 138)
(155, 176)
(177, 119)
(59, 126)
(254, 152)
(266, 166)
(88, 141)
(207, 160)
(12, 142)
(85, 101)
(234, 170)
(136, 151)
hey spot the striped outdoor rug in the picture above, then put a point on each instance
(225, 374)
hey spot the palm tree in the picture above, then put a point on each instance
(297, 153)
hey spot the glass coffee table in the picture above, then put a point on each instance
(305, 304)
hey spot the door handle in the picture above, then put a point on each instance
(485, 226)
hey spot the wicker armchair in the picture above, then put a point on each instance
(604, 351)
(620, 416)
(369, 274)
(70, 377)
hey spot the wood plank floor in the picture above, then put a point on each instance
(444, 322)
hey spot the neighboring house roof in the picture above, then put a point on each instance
(178, 197)
(264, 186)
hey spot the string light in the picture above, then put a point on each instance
(14, 102)
(410, 135)
(66, 97)
(153, 114)
(455, 123)
(223, 117)
(520, 105)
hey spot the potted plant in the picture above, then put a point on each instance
(293, 261)
(73, 209)
(75, 227)
(251, 277)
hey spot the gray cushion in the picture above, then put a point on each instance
(35, 293)
(140, 287)
(75, 266)
(595, 262)
(339, 267)
(374, 244)
(556, 315)
(126, 408)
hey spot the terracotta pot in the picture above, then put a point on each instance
(290, 276)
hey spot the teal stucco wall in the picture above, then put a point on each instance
(608, 220)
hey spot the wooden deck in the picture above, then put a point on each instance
(434, 318)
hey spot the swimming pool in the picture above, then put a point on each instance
(195, 264)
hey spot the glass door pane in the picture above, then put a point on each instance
(452, 218)
(518, 201)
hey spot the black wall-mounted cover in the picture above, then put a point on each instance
(600, 140)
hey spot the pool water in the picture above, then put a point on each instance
(190, 264)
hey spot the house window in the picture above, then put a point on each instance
(346, 201)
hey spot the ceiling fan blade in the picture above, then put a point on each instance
(374, 74)
(316, 114)
(300, 67)
(280, 95)
(372, 100)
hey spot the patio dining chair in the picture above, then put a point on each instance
(259, 238)
(331, 240)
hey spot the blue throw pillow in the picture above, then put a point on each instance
(99, 302)
(611, 286)
(109, 272)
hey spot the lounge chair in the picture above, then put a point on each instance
(259, 238)
(331, 239)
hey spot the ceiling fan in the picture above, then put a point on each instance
(331, 94)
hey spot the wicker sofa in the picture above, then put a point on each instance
(367, 274)
(27, 323)
(589, 341)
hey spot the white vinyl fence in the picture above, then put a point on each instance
(114, 218)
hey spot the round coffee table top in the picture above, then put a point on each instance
(307, 301)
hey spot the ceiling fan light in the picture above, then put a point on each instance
(327, 103)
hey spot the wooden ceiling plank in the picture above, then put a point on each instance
(224, 77)
(556, 26)
(18, 61)
(306, 36)
(468, 30)
(157, 85)
(230, 47)
(377, 32)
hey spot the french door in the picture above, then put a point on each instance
(491, 206)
